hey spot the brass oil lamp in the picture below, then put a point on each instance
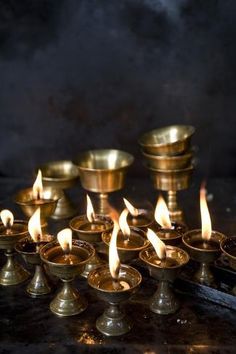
(170, 232)
(140, 218)
(164, 263)
(29, 248)
(203, 245)
(30, 199)
(130, 240)
(114, 284)
(11, 231)
(103, 172)
(89, 228)
(66, 259)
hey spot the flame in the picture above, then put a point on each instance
(7, 218)
(205, 215)
(90, 210)
(133, 211)
(65, 239)
(34, 226)
(158, 244)
(162, 213)
(123, 223)
(38, 186)
(114, 261)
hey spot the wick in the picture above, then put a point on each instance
(37, 243)
(116, 284)
(67, 254)
(8, 226)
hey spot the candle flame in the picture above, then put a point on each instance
(34, 226)
(38, 186)
(65, 239)
(158, 244)
(123, 223)
(7, 218)
(205, 215)
(162, 213)
(114, 261)
(133, 211)
(90, 210)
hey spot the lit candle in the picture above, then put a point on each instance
(38, 195)
(127, 238)
(8, 221)
(163, 257)
(93, 223)
(35, 230)
(64, 238)
(138, 217)
(114, 262)
(169, 229)
(204, 241)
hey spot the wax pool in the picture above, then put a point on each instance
(168, 262)
(108, 284)
(93, 226)
(134, 241)
(206, 245)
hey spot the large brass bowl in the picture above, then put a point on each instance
(168, 162)
(103, 171)
(171, 140)
(171, 180)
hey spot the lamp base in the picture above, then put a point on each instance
(12, 273)
(68, 301)
(113, 322)
(164, 301)
(39, 284)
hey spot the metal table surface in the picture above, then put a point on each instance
(28, 326)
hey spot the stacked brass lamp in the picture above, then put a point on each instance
(168, 156)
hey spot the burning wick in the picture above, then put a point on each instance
(161, 215)
(65, 239)
(38, 187)
(114, 261)
(159, 247)
(205, 217)
(34, 228)
(132, 210)
(7, 220)
(91, 214)
(124, 225)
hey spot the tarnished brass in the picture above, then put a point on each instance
(13, 273)
(170, 140)
(68, 301)
(171, 180)
(103, 171)
(168, 162)
(28, 205)
(228, 247)
(91, 236)
(61, 175)
(203, 256)
(114, 322)
(126, 254)
(164, 301)
(39, 284)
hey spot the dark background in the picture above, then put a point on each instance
(82, 74)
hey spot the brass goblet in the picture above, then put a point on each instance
(203, 252)
(92, 234)
(27, 248)
(103, 172)
(169, 141)
(12, 273)
(168, 163)
(68, 301)
(47, 204)
(61, 175)
(164, 301)
(114, 322)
